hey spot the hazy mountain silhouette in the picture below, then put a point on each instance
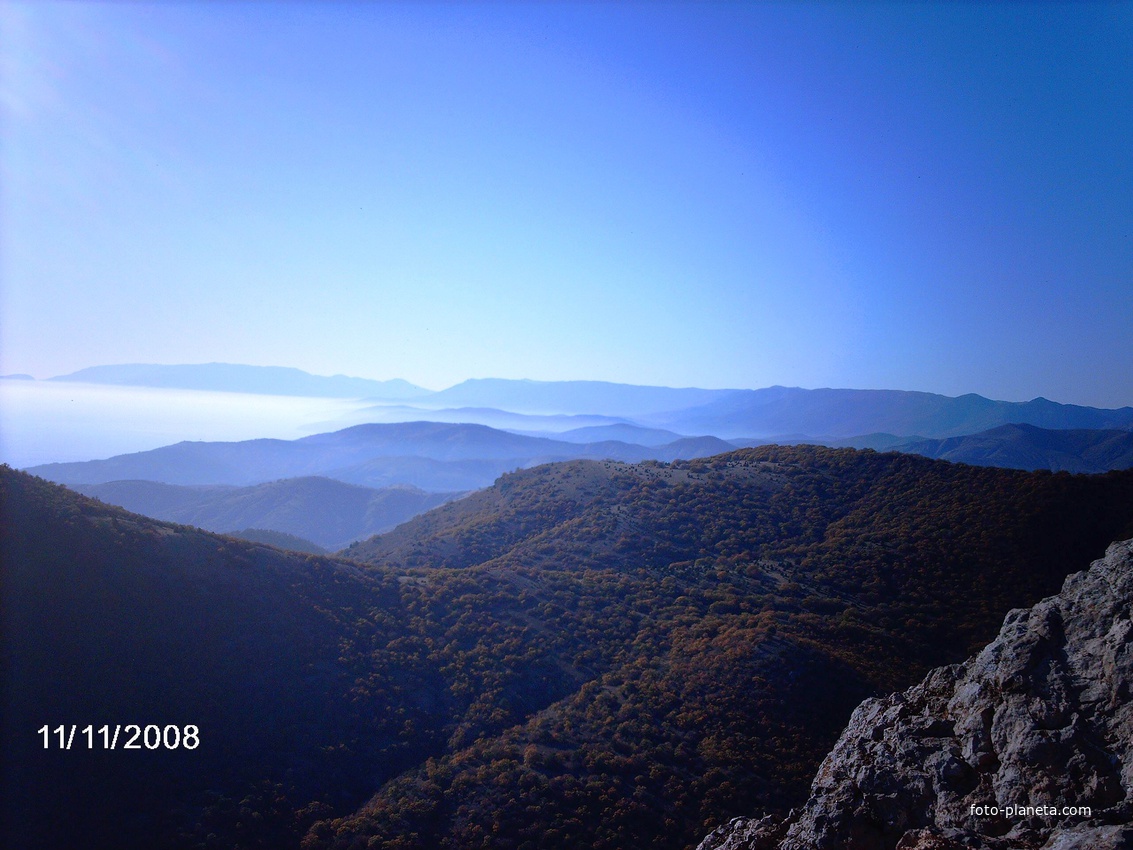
(573, 397)
(364, 454)
(329, 513)
(549, 425)
(819, 415)
(1028, 447)
(231, 377)
(774, 411)
(839, 413)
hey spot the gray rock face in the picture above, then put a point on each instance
(991, 753)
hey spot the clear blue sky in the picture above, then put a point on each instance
(909, 196)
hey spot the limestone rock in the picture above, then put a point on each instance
(990, 753)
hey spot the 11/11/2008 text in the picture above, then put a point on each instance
(133, 737)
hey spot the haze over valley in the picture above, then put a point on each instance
(503, 426)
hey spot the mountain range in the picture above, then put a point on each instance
(231, 377)
(1027, 447)
(579, 628)
(585, 654)
(842, 413)
(431, 455)
(818, 414)
(334, 499)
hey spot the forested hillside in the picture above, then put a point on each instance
(727, 615)
(587, 654)
(309, 681)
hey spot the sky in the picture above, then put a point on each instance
(933, 196)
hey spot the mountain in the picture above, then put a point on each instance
(725, 615)
(329, 513)
(257, 461)
(255, 665)
(533, 424)
(573, 397)
(586, 654)
(1039, 720)
(603, 417)
(282, 687)
(687, 448)
(363, 454)
(819, 414)
(1028, 447)
(230, 377)
(831, 414)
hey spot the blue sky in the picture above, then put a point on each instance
(911, 196)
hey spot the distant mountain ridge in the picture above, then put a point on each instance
(842, 413)
(231, 377)
(324, 511)
(574, 397)
(1020, 446)
(462, 438)
(447, 457)
(347, 454)
(823, 415)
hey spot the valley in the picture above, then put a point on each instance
(586, 650)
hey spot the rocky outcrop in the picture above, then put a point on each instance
(1027, 745)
